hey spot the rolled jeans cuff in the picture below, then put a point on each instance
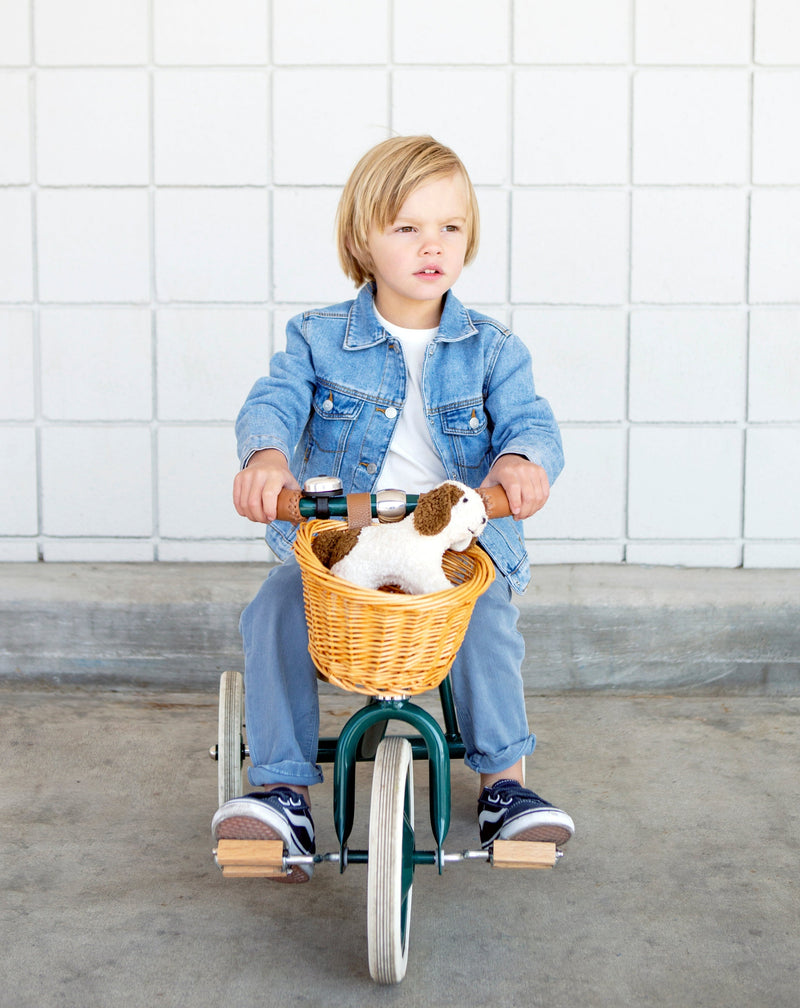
(285, 772)
(506, 758)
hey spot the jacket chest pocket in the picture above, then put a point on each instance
(332, 419)
(467, 428)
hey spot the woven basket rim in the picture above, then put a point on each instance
(311, 564)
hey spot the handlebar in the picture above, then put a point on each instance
(296, 506)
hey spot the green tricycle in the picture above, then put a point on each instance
(387, 646)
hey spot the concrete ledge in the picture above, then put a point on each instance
(629, 629)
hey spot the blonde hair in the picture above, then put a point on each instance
(380, 184)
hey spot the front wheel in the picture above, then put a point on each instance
(391, 861)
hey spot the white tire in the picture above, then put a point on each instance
(229, 736)
(390, 866)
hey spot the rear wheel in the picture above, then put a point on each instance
(230, 742)
(391, 861)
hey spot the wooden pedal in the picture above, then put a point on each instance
(250, 858)
(523, 854)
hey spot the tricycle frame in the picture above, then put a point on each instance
(392, 855)
(431, 744)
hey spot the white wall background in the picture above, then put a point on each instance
(168, 177)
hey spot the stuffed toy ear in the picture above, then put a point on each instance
(432, 513)
(332, 545)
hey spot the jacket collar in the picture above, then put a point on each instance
(364, 330)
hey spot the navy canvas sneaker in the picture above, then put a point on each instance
(508, 811)
(279, 814)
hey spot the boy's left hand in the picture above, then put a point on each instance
(525, 483)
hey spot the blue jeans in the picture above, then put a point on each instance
(281, 702)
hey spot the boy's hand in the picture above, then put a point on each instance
(525, 483)
(256, 487)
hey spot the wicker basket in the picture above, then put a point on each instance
(381, 643)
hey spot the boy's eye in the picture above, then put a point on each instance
(405, 229)
(451, 227)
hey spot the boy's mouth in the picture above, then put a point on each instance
(429, 271)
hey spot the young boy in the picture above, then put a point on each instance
(401, 387)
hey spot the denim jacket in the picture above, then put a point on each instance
(332, 398)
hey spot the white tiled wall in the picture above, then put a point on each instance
(169, 172)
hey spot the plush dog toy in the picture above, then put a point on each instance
(407, 553)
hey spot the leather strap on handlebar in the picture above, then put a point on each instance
(359, 510)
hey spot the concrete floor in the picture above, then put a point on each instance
(679, 889)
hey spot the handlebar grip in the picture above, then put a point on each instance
(495, 501)
(289, 506)
(289, 509)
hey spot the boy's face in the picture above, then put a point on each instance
(418, 257)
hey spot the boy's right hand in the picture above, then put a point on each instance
(256, 487)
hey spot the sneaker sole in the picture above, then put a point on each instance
(542, 832)
(246, 828)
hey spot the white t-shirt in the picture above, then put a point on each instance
(412, 463)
